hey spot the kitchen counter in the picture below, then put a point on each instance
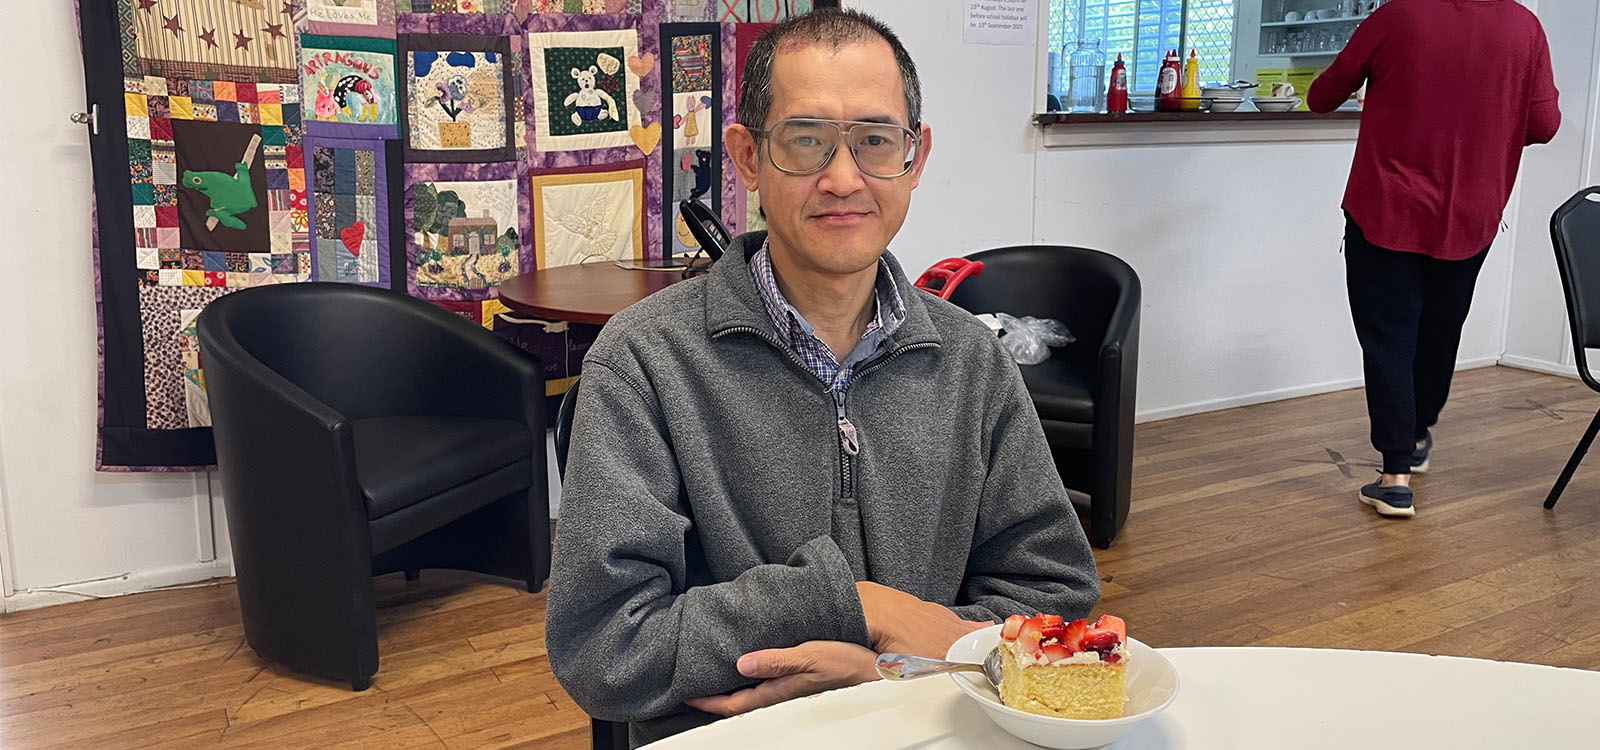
(1064, 130)
(1064, 118)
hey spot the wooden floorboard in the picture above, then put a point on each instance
(1245, 531)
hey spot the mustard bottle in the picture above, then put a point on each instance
(1191, 83)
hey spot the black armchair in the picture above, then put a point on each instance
(362, 432)
(1085, 392)
(1575, 231)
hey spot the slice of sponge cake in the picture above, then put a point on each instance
(1070, 670)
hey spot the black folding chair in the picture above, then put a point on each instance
(1575, 231)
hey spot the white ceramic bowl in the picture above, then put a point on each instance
(1276, 103)
(1221, 98)
(1152, 686)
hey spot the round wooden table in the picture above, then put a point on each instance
(583, 293)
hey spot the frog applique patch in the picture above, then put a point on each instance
(229, 195)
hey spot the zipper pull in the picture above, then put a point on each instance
(847, 434)
(847, 430)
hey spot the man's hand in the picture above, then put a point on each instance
(811, 667)
(901, 623)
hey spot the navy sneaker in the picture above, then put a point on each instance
(1388, 501)
(1419, 456)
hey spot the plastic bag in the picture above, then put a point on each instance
(1028, 340)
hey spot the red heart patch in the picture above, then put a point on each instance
(352, 236)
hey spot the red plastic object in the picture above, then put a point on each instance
(952, 271)
(1117, 95)
(1169, 84)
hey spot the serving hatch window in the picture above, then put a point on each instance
(1143, 30)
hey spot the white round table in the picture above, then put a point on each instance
(1228, 698)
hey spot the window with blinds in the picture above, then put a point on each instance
(1143, 30)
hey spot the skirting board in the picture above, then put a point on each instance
(127, 583)
(1281, 394)
(1539, 365)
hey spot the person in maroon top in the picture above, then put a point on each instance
(1455, 90)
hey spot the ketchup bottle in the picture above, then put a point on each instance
(1117, 95)
(1169, 98)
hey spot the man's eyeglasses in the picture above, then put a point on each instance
(803, 145)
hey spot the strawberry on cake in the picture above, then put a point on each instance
(1070, 670)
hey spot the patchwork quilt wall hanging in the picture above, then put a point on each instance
(431, 147)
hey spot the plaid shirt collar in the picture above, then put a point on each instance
(889, 313)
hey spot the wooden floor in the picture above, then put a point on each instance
(1245, 530)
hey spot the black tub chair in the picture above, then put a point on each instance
(361, 432)
(1085, 392)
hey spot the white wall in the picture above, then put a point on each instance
(1536, 325)
(1238, 309)
(977, 191)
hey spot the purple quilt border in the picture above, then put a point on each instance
(349, 131)
(479, 24)
(463, 172)
(648, 26)
(375, 145)
(732, 185)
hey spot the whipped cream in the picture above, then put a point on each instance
(1082, 657)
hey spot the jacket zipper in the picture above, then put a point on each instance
(848, 447)
(847, 431)
(849, 439)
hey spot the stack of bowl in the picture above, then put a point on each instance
(1225, 98)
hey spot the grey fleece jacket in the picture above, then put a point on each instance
(709, 509)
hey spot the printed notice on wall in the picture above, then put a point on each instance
(999, 22)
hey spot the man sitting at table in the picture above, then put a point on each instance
(799, 459)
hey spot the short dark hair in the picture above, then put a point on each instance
(829, 27)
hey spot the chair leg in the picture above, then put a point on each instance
(413, 574)
(361, 684)
(608, 735)
(1572, 463)
(1101, 535)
